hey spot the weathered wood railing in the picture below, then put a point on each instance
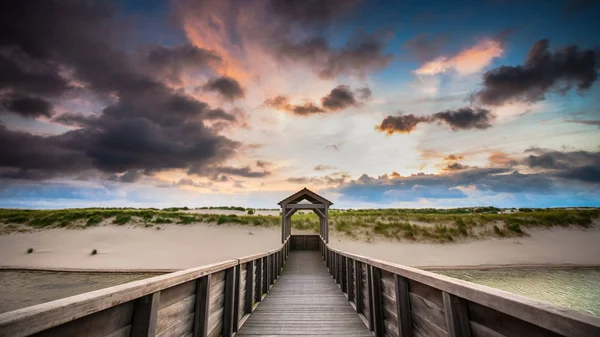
(395, 300)
(210, 300)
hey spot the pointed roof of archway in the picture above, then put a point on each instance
(305, 194)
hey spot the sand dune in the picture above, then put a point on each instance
(179, 246)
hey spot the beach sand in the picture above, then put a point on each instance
(186, 246)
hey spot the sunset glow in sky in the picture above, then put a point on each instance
(238, 102)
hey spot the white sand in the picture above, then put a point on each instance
(556, 246)
(179, 246)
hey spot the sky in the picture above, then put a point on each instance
(370, 103)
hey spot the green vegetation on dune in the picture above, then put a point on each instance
(431, 225)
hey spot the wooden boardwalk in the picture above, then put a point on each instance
(305, 301)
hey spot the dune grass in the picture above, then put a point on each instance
(429, 225)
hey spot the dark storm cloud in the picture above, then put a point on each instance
(313, 12)
(243, 172)
(542, 72)
(263, 164)
(147, 128)
(425, 47)
(363, 53)
(339, 98)
(571, 7)
(456, 167)
(171, 62)
(459, 119)
(400, 124)
(465, 118)
(586, 122)
(227, 87)
(572, 165)
(27, 106)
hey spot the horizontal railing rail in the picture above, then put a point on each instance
(210, 300)
(396, 300)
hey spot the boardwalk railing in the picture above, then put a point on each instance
(210, 300)
(396, 300)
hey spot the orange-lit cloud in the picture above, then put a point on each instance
(468, 61)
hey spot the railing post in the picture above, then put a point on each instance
(370, 291)
(259, 280)
(228, 303)
(236, 297)
(403, 306)
(249, 287)
(457, 316)
(267, 274)
(349, 280)
(201, 307)
(357, 286)
(343, 277)
(144, 315)
(377, 304)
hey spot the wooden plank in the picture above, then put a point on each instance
(250, 275)
(457, 316)
(424, 327)
(229, 302)
(144, 315)
(177, 293)
(304, 302)
(180, 328)
(377, 302)
(478, 330)
(168, 316)
(27, 321)
(403, 307)
(122, 332)
(428, 310)
(107, 321)
(429, 293)
(201, 308)
(506, 324)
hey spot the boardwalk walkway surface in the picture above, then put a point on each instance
(304, 301)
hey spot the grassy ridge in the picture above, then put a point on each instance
(433, 225)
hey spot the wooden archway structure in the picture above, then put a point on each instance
(316, 203)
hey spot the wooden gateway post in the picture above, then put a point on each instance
(316, 203)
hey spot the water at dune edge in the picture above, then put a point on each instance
(577, 289)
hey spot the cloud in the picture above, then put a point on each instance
(468, 61)
(459, 119)
(502, 159)
(282, 103)
(456, 167)
(466, 118)
(425, 47)
(586, 122)
(542, 72)
(319, 181)
(400, 124)
(453, 157)
(324, 168)
(227, 87)
(146, 127)
(27, 106)
(572, 165)
(263, 164)
(171, 63)
(339, 98)
(548, 172)
(361, 54)
(192, 183)
(308, 13)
